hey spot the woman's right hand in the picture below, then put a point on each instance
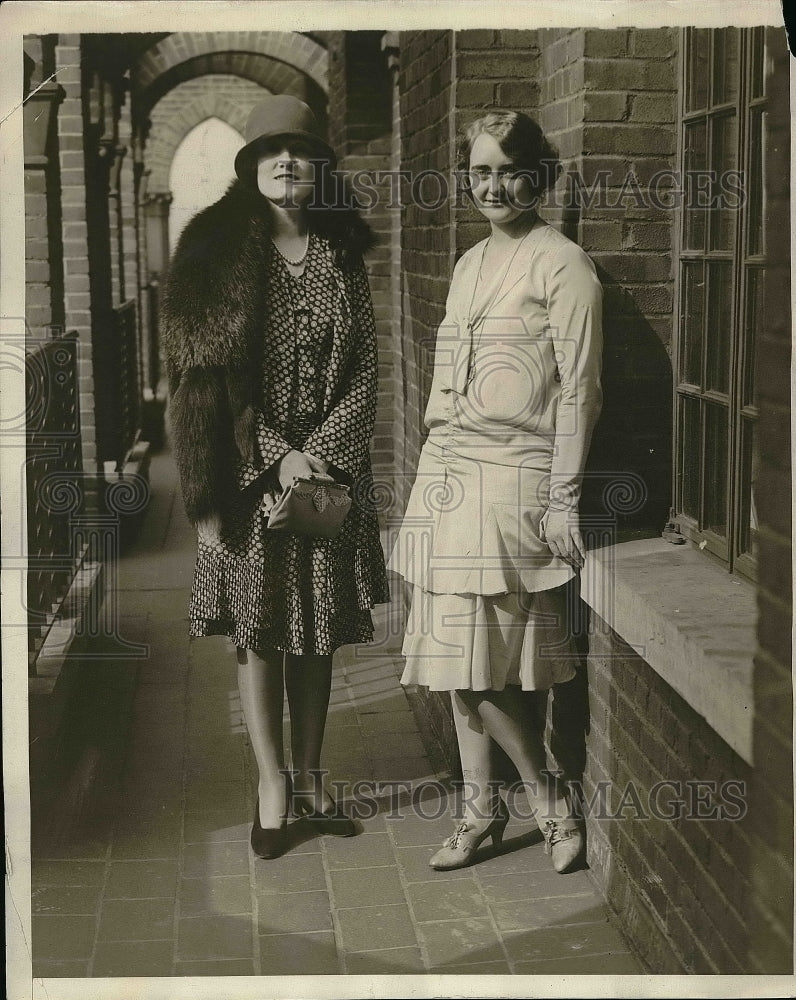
(293, 464)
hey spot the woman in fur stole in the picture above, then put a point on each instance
(271, 349)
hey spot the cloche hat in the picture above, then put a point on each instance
(279, 115)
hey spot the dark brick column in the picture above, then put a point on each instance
(770, 909)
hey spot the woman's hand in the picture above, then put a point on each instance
(209, 528)
(319, 466)
(294, 464)
(561, 530)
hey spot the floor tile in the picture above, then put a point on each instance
(212, 859)
(65, 969)
(311, 954)
(366, 887)
(218, 825)
(58, 871)
(367, 927)
(494, 968)
(574, 940)
(294, 913)
(385, 962)
(534, 885)
(612, 964)
(214, 938)
(133, 958)
(368, 850)
(375, 724)
(446, 900)
(413, 831)
(460, 941)
(532, 912)
(413, 862)
(141, 879)
(136, 920)
(57, 937)
(73, 899)
(230, 967)
(219, 894)
(299, 873)
(401, 768)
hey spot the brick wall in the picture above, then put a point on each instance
(626, 106)
(77, 298)
(770, 909)
(680, 885)
(494, 69)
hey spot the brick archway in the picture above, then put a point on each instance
(187, 105)
(290, 47)
(282, 61)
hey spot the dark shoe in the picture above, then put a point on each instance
(565, 842)
(270, 842)
(335, 822)
(458, 849)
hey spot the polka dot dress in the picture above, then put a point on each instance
(274, 590)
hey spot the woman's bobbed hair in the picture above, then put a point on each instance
(523, 142)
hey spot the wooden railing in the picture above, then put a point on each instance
(54, 477)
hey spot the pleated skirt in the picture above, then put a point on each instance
(489, 600)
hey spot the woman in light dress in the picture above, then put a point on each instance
(491, 535)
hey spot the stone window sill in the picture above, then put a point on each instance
(694, 623)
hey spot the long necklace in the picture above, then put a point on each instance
(289, 260)
(472, 321)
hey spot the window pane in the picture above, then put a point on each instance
(725, 65)
(688, 501)
(757, 58)
(697, 68)
(697, 194)
(692, 319)
(755, 292)
(755, 182)
(715, 496)
(747, 535)
(723, 158)
(719, 325)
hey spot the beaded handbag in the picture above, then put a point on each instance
(311, 506)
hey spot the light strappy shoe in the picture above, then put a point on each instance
(565, 842)
(459, 848)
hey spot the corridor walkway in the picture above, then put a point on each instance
(169, 887)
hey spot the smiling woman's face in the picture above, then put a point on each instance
(498, 193)
(286, 171)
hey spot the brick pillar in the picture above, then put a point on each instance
(397, 484)
(770, 819)
(77, 297)
(360, 129)
(127, 207)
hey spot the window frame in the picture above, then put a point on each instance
(740, 413)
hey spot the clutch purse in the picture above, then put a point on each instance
(311, 506)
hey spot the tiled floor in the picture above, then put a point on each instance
(170, 886)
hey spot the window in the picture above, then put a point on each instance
(721, 276)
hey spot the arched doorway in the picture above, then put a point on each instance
(201, 171)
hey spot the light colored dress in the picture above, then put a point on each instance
(513, 402)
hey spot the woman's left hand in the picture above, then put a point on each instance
(561, 531)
